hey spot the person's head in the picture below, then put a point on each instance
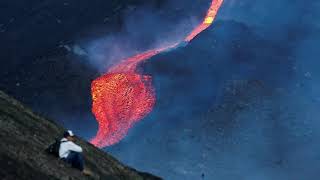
(69, 135)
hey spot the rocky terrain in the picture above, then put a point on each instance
(24, 137)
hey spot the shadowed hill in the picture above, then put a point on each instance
(24, 136)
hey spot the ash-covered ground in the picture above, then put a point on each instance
(239, 102)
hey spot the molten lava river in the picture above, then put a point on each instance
(122, 96)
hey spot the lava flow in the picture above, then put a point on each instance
(122, 96)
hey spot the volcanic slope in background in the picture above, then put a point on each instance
(196, 78)
(228, 50)
(229, 92)
(24, 136)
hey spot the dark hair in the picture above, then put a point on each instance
(66, 134)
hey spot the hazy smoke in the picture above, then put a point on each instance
(143, 29)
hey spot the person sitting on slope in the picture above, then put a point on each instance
(71, 152)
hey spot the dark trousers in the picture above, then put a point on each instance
(76, 160)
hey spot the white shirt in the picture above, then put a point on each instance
(66, 147)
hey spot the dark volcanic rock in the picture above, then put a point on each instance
(24, 136)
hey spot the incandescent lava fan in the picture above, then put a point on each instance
(122, 96)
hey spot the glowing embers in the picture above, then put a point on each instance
(119, 100)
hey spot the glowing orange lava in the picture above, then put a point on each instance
(122, 96)
(119, 100)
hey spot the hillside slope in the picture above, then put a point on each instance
(24, 136)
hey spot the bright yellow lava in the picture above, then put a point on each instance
(208, 20)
